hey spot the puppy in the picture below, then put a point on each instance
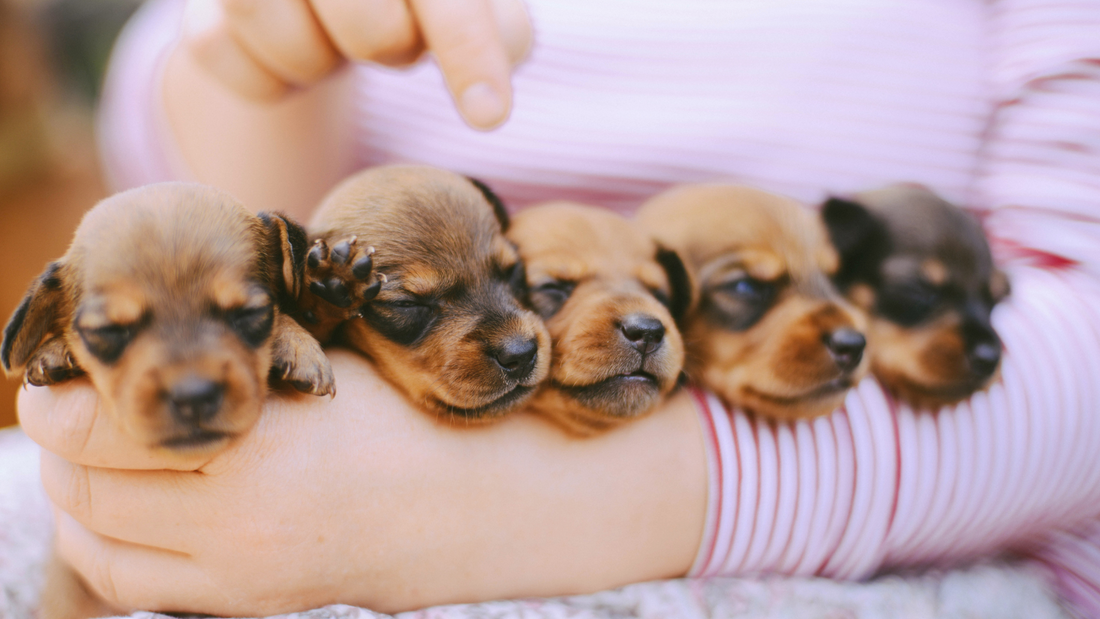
(609, 296)
(173, 299)
(437, 307)
(767, 331)
(922, 269)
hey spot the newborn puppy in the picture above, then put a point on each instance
(768, 332)
(173, 299)
(437, 306)
(608, 295)
(922, 269)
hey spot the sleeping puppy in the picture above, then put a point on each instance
(173, 299)
(609, 296)
(437, 306)
(767, 332)
(922, 269)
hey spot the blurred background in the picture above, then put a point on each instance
(52, 57)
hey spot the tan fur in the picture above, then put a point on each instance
(437, 239)
(612, 264)
(778, 366)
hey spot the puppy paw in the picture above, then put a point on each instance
(297, 359)
(343, 275)
(52, 363)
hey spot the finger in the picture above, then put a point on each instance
(381, 31)
(131, 576)
(463, 36)
(69, 420)
(284, 36)
(514, 25)
(207, 37)
(142, 507)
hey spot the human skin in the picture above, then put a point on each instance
(258, 104)
(367, 501)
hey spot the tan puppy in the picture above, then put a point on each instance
(436, 307)
(767, 332)
(608, 295)
(173, 299)
(922, 269)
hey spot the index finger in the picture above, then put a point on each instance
(466, 41)
(69, 420)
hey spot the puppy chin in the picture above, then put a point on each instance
(622, 396)
(931, 396)
(442, 404)
(821, 401)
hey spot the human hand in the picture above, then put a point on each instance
(262, 49)
(362, 500)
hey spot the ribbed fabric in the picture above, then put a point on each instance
(994, 104)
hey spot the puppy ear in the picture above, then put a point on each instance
(860, 239)
(679, 282)
(33, 320)
(495, 201)
(286, 246)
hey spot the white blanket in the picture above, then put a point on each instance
(1001, 590)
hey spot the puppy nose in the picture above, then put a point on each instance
(644, 332)
(195, 400)
(517, 357)
(984, 357)
(846, 346)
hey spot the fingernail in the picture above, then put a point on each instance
(482, 107)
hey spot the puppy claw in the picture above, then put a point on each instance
(317, 254)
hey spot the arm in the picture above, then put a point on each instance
(364, 501)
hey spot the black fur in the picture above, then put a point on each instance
(298, 245)
(679, 283)
(860, 238)
(495, 201)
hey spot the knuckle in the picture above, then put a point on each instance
(101, 578)
(75, 497)
(390, 36)
(241, 8)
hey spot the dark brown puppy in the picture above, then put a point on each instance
(172, 299)
(922, 269)
(608, 295)
(437, 306)
(768, 332)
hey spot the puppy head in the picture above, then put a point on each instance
(447, 326)
(767, 332)
(607, 293)
(166, 298)
(922, 269)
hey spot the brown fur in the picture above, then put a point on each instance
(758, 333)
(593, 276)
(436, 305)
(904, 248)
(169, 299)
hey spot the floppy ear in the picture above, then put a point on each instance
(33, 320)
(495, 201)
(860, 239)
(285, 252)
(679, 282)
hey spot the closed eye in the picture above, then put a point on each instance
(108, 342)
(908, 304)
(252, 323)
(402, 320)
(548, 298)
(738, 303)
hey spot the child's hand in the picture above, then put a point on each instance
(262, 49)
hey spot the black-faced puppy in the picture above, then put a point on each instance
(173, 299)
(608, 295)
(767, 332)
(922, 269)
(436, 307)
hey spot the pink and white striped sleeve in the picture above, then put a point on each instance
(876, 484)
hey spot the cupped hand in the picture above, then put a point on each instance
(363, 500)
(262, 49)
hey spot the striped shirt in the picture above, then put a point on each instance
(993, 104)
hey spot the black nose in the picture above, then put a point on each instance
(984, 357)
(846, 346)
(517, 357)
(195, 400)
(644, 332)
